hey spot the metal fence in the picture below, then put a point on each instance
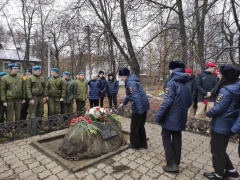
(34, 126)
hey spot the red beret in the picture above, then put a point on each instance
(188, 70)
(211, 64)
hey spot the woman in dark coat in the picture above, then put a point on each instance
(94, 90)
(112, 90)
(103, 87)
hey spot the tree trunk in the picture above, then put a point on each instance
(182, 31)
(133, 63)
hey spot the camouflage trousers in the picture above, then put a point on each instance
(67, 108)
(37, 109)
(80, 105)
(54, 106)
(14, 108)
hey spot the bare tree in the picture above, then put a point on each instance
(28, 11)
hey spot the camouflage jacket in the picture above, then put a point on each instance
(35, 86)
(56, 87)
(70, 91)
(81, 90)
(12, 88)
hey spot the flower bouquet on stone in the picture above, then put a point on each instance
(93, 115)
(98, 114)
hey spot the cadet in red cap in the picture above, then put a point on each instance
(206, 83)
(192, 83)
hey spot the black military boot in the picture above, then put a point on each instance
(171, 168)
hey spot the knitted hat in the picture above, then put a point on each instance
(101, 72)
(29, 70)
(110, 74)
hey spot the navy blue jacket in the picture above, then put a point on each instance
(236, 125)
(112, 87)
(103, 87)
(136, 95)
(206, 82)
(94, 89)
(172, 114)
(225, 110)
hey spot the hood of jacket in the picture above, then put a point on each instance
(179, 76)
(132, 77)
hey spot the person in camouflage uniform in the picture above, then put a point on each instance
(81, 91)
(56, 91)
(12, 93)
(3, 110)
(35, 93)
(70, 93)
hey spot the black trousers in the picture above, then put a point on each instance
(172, 143)
(101, 101)
(94, 102)
(112, 99)
(3, 112)
(24, 111)
(239, 148)
(137, 130)
(220, 158)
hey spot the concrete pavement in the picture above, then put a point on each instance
(19, 160)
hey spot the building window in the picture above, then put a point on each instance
(5, 65)
(19, 66)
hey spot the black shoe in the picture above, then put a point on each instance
(133, 147)
(171, 168)
(231, 174)
(211, 175)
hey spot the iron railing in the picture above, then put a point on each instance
(26, 128)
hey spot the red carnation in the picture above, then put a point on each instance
(88, 110)
(106, 111)
(98, 109)
(89, 121)
(205, 101)
(106, 120)
(101, 117)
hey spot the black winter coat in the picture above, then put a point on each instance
(206, 82)
(103, 87)
(112, 87)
